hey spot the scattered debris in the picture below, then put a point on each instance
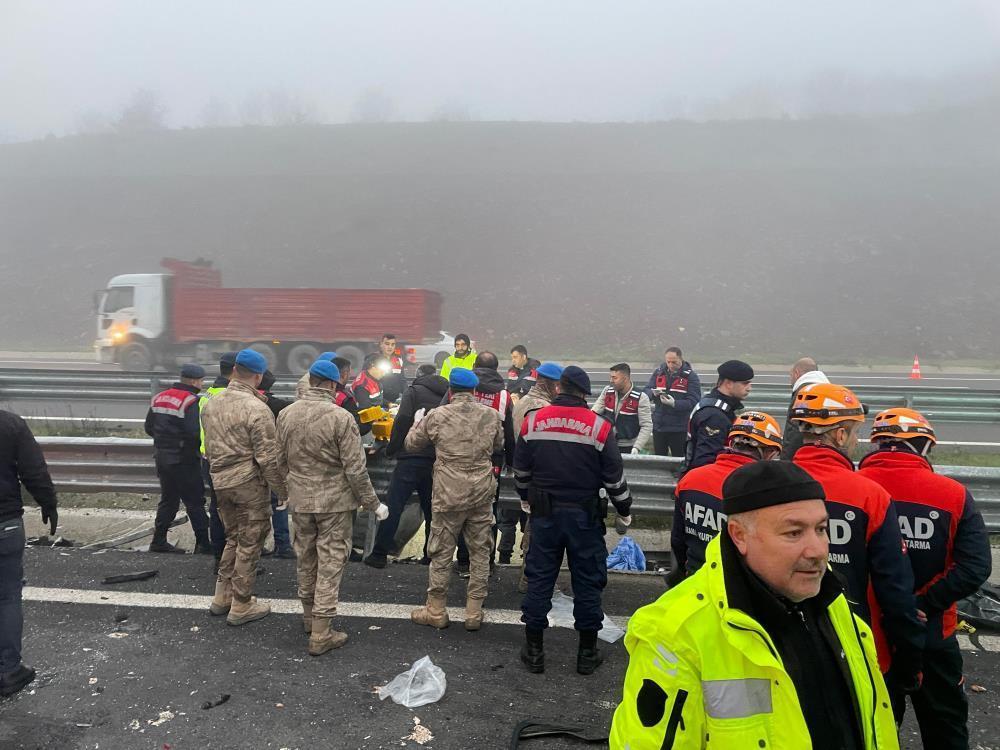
(81, 725)
(195, 629)
(217, 702)
(92, 681)
(374, 627)
(422, 683)
(44, 541)
(421, 734)
(977, 689)
(134, 724)
(164, 717)
(126, 577)
(121, 616)
(279, 705)
(117, 634)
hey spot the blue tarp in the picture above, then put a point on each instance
(627, 556)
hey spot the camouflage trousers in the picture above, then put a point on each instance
(476, 525)
(246, 515)
(322, 545)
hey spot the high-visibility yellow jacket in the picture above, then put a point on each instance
(452, 362)
(719, 678)
(205, 395)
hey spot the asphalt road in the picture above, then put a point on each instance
(111, 667)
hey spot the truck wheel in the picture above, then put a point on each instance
(136, 357)
(300, 357)
(354, 354)
(439, 358)
(268, 353)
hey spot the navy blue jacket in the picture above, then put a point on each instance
(21, 461)
(173, 423)
(685, 386)
(709, 426)
(569, 452)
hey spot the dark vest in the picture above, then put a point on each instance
(626, 421)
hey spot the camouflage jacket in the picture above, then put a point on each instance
(536, 398)
(320, 454)
(239, 439)
(302, 386)
(465, 434)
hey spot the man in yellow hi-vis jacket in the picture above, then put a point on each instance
(759, 648)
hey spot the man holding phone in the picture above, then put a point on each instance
(674, 389)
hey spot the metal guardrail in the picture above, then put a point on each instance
(91, 465)
(943, 404)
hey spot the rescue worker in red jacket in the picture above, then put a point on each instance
(866, 548)
(949, 550)
(698, 516)
(367, 387)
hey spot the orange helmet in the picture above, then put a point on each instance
(757, 426)
(902, 424)
(825, 404)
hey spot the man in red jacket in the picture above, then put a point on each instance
(949, 551)
(866, 548)
(698, 516)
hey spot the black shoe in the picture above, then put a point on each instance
(505, 558)
(425, 560)
(165, 547)
(533, 651)
(463, 570)
(203, 548)
(266, 552)
(13, 682)
(285, 553)
(588, 657)
(355, 555)
(376, 561)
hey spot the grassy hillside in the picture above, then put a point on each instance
(852, 239)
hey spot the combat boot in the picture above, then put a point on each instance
(533, 650)
(202, 545)
(588, 657)
(223, 599)
(324, 639)
(160, 544)
(473, 614)
(433, 613)
(307, 617)
(242, 613)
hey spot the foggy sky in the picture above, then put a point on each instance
(515, 60)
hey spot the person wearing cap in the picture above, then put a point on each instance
(242, 458)
(464, 356)
(172, 421)
(674, 389)
(698, 515)
(303, 383)
(628, 410)
(866, 547)
(711, 419)
(566, 454)
(465, 435)
(414, 470)
(949, 551)
(759, 648)
(216, 531)
(321, 456)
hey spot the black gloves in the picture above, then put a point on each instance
(50, 516)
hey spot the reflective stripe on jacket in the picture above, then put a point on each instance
(702, 674)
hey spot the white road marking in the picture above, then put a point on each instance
(368, 610)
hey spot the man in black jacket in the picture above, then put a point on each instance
(414, 469)
(173, 423)
(523, 371)
(279, 513)
(21, 461)
(711, 419)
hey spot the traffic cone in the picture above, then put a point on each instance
(915, 370)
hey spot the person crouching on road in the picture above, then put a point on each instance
(760, 647)
(321, 457)
(173, 423)
(242, 459)
(465, 435)
(565, 455)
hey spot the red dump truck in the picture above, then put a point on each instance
(185, 314)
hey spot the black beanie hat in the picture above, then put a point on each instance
(762, 484)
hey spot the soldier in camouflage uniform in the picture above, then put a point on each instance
(241, 453)
(320, 454)
(465, 435)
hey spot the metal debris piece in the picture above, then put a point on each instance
(217, 702)
(163, 718)
(126, 577)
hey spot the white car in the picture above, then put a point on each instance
(431, 354)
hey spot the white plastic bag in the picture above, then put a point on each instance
(561, 616)
(421, 684)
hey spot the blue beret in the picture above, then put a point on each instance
(550, 370)
(322, 368)
(462, 378)
(326, 357)
(192, 371)
(577, 377)
(252, 361)
(734, 369)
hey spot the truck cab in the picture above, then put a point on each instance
(131, 315)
